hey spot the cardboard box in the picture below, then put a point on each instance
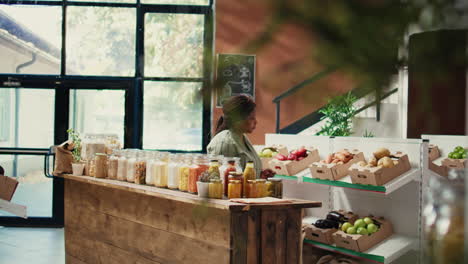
(334, 171)
(8, 187)
(434, 152)
(362, 243)
(281, 149)
(290, 167)
(325, 235)
(377, 175)
(454, 163)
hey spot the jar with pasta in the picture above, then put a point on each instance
(184, 173)
(150, 161)
(140, 168)
(100, 165)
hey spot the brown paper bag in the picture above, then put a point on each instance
(63, 159)
(7, 187)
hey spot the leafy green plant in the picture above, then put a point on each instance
(75, 138)
(368, 134)
(338, 113)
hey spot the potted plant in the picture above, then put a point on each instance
(77, 164)
(204, 182)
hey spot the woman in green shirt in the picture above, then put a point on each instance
(230, 140)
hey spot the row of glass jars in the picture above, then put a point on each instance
(180, 172)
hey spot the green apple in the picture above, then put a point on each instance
(362, 231)
(359, 223)
(274, 154)
(345, 226)
(368, 221)
(267, 153)
(351, 230)
(372, 228)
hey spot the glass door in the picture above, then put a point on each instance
(27, 118)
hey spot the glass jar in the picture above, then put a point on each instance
(444, 222)
(215, 189)
(200, 165)
(101, 165)
(173, 172)
(131, 160)
(250, 189)
(261, 188)
(92, 144)
(249, 174)
(122, 166)
(234, 175)
(112, 165)
(140, 168)
(150, 161)
(184, 173)
(275, 188)
(234, 189)
(160, 171)
(237, 164)
(230, 167)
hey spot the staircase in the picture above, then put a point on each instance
(371, 111)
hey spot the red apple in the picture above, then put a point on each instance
(281, 157)
(302, 152)
(300, 158)
(292, 156)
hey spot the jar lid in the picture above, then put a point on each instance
(234, 181)
(261, 180)
(275, 179)
(215, 180)
(251, 181)
(235, 173)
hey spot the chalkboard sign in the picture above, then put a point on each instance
(236, 75)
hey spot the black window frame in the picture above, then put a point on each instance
(133, 86)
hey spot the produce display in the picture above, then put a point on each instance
(336, 165)
(457, 159)
(380, 169)
(297, 160)
(268, 153)
(323, 229)
(363, 234)
(458, 153)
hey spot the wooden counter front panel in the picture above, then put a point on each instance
(98, 220)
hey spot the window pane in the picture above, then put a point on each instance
(178, 2)
(34, 189)
(27, 117)
(108, 1)
(174, 45)
(172, 116)
(98, 112)
(30, 39)
(101, 41)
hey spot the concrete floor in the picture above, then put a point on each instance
(31, 246)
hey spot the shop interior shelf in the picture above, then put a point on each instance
(386, 251)
(388, 188)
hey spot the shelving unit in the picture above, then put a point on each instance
(399, 201)
(388, 188)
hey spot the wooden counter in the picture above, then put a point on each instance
(108, 221)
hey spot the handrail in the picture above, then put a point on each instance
(314, 78)
(32, 151)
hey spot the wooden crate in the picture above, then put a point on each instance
(334, 171)
(290, 168)
(362, 243)
(377, 175)
(434, 152)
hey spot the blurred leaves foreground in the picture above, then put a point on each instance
(364, 38)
